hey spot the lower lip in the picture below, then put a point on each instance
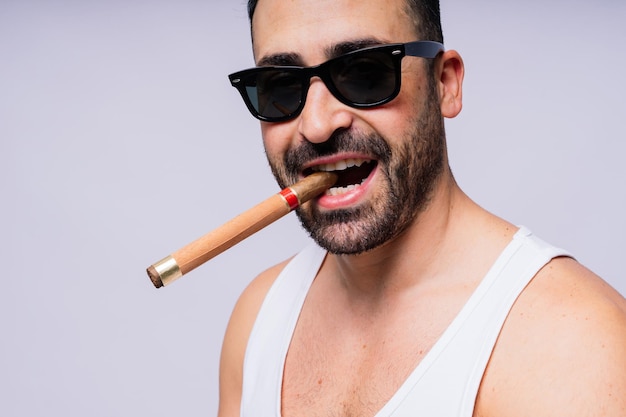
(349, 198)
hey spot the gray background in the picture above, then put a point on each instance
(122, 140)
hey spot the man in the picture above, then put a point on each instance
(420, 302)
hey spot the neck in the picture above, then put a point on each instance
(427, 252)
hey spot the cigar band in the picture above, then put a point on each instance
(291, 198)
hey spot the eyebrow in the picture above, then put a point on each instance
(295, 59)
(282, 59)
(350, 46)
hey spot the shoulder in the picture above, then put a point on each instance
(236, 339)
(562, 350)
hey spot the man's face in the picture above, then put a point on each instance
(393, 153)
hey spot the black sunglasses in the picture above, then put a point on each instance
(364, 78)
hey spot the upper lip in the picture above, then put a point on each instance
(340, 165)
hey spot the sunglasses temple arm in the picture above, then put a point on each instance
(424, 49)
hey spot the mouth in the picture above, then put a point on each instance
(352, 173)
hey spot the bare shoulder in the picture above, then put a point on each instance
(562, 350)
(236, 339)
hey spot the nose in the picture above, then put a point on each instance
(322, 114)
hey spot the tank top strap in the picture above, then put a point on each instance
(447, 380)
(271, 334)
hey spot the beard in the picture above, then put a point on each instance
(407, 174)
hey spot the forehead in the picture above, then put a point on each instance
(311, 28)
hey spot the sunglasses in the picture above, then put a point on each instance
(360, 79)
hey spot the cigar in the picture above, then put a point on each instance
(237, 229)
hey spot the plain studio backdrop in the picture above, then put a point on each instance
(122, 140)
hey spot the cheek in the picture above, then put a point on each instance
(276, 138)
(410, 104)
(395, 119)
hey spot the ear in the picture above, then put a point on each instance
(450, 81)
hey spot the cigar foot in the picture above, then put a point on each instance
(164, 271)
(154, 277)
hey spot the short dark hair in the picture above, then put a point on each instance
(425, 13)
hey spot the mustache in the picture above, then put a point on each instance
(342, 141)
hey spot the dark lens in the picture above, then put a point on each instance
(274, 93)
(365, 77)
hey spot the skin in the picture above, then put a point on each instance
(562, 348)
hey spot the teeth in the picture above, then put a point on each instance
(342, 190)
(341, 165)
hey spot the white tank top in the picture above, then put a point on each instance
(446, 381)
